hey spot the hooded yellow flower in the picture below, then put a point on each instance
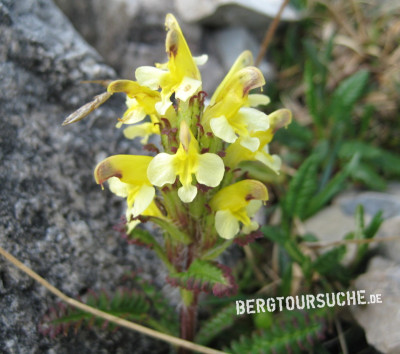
(236, 153)
(208, 168)
(127, 177)
(143, 130)
(180, 75)
(229, 116)
(140, 100)
(236, 204)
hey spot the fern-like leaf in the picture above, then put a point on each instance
(328, 262)
(301, 188)
(243, 240)
(334, 186)
(127, 304)
(205, 276)
(224, 319)
(141, 237)
(379, 158)
(348, 93)
(297, 332)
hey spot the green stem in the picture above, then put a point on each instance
(175, 233)
(161, 254)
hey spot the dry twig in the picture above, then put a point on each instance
(270, 32)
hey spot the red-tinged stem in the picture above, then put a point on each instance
(188, 318)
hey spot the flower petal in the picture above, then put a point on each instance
(161, 170)
(243, 60)
(187, 88)
(272, 161)
(253, 206)
(134, 114)
(257, 99)
(150, 76)
(238, 195)
(226, 224)
(130, 88)
(143, 199)
(162, 106)
(280, 118)
(201, 59)
(253, 118)
(222, 129)
(143, 130)
(234, 94)
(250, 143)
(180, 62)
(131, 224)
(187, 193)
(210, 170)
(131, 169)
(119, 188)
(246, 229)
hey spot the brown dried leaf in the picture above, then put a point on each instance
(82, 112)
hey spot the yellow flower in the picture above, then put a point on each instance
(236, 204)
(143, 130)
(229, 115)
(236, 153)
(140, 100)
(127, 177)
(180, 75)
(208, 168)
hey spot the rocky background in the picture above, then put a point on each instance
(53, 217)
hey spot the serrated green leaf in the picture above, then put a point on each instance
(126, 304)
(216, 250)
(295, 333)
(328, 262)
(368, 176)
(275, 234)
(363, 232)
(211, 328)
(296, 136)
(334, 186)
(347, 93)
(204, 276)
(379, 158)
(301, 188)
(171, 229)
(374, 225)
(311, 94)
(144, 237)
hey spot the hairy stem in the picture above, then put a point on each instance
(188, 317)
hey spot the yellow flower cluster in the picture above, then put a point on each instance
(203, 143)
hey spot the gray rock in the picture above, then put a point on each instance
(252, 13)
(372, 202)
(381, 321)
(334, 222)
(126, 33)
(393, 188)
(331, 225)
(391, 249)
(232, 41)
(53, 217)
